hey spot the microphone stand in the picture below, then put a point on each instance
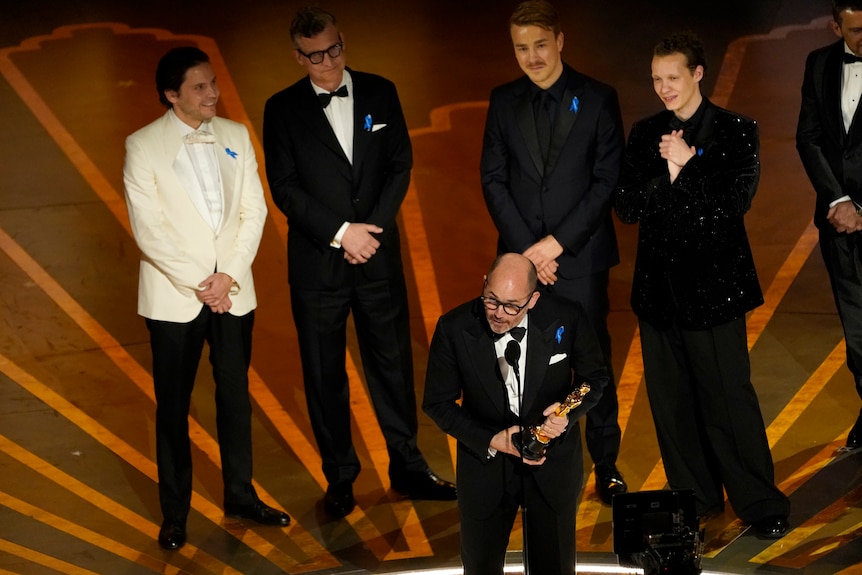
(512, 355)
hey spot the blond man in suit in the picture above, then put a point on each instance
(550, 160)
(197, 212)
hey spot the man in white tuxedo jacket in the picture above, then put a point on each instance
(197, 212)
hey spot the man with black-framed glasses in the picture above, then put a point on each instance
(498, 364)
(338, 161)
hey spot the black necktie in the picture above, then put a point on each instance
(851, 58)
(327, 97)
(543, 122)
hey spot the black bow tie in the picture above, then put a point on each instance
(515, 332)
(677, 124)
(851, 58)
(327, 97)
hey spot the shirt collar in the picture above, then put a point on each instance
(346, 80)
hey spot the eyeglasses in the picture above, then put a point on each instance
(334, 51)
(491, 304)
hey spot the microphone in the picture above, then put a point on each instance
(512, 355)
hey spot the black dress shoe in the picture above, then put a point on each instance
(774, 527)
(172, 535)
(425, 485)
(259, 512)
(609, 482)
(338, 500)
(854, 439)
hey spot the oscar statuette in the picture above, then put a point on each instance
(535, 445)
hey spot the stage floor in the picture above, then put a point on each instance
(77, 473)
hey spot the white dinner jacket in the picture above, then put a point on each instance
(179, 248)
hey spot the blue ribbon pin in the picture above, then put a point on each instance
(367, 123)
(700, 151)
(576, 105)
(559, 335)
(230, 153)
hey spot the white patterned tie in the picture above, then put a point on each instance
(199, 137)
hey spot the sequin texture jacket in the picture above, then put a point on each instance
(694, 264)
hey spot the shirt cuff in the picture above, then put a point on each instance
(492, 452)
(336, 241)
(839, 200)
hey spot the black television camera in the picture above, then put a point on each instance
(658, 531)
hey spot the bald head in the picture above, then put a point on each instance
(514, 268)
(511, 280)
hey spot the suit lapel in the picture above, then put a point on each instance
(539, 347)
(182, 167)
(227, 156)
(361, 116)
(832, 92)
(480, 349)
(567, 114)
(703, 138)
(313, 115)
(527, 125)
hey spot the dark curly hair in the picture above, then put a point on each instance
(685, 43)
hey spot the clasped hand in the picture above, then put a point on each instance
(844, 218)
(359, 244)
(544, 254)
(215, 292)
(674, 149)
(553, 426)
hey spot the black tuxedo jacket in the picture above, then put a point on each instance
(832, 157)
(569, 196)
(318, 189)
(694, 263)
(562, 351)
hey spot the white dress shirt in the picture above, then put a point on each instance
(514, 388)
(197, 167)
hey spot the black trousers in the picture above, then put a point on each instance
(550, 531)
(602, 431)
(176, 349)
(383, 329)
(707, 418)
(842, 255)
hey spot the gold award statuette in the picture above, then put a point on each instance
(535, 445)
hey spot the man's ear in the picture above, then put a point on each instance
(533, 299)
(836, 27)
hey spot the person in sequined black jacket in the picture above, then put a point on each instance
(688, 179)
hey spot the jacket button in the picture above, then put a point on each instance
(355, 200)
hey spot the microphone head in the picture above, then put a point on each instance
(513, 354)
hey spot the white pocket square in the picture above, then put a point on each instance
(376, 127)
(556, 358)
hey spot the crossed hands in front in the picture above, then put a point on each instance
(359, 243)
(215, 292)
